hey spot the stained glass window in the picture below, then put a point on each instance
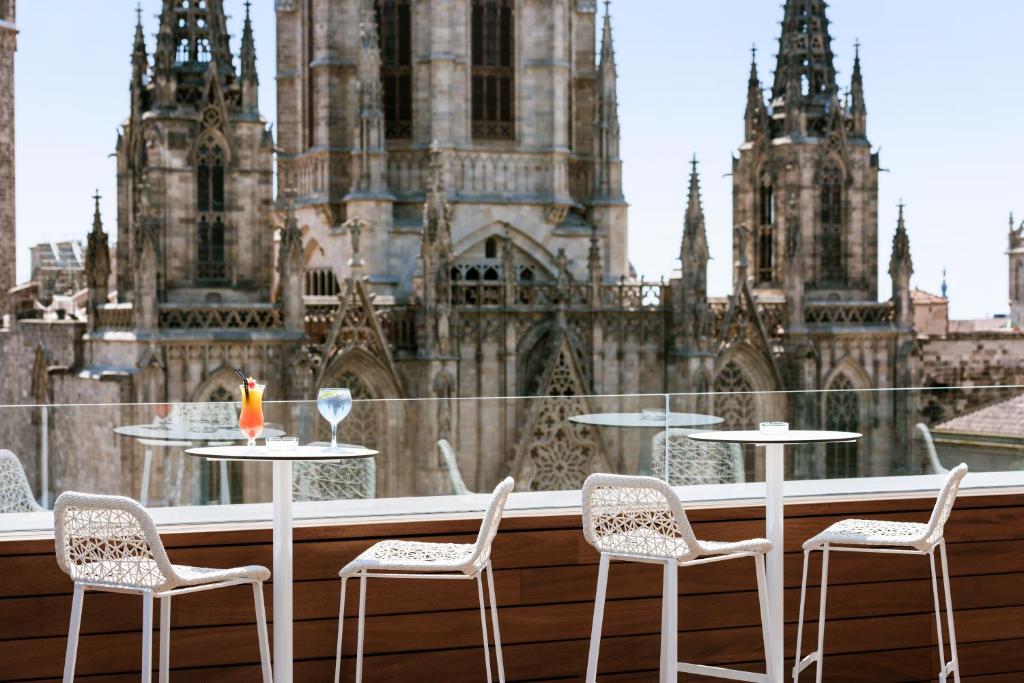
(493, 72)
(211, 265)
(842, 413)
(831, 245)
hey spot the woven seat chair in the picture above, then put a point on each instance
(640, 519)
(695, 462)
(416, 560)
(451, 463)
(15, 492)
(898, 538)
(349, 479)
(109, 543)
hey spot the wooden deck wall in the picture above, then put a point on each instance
(880, 625)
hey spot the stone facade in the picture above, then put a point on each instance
(8, 44)
(1016, 263)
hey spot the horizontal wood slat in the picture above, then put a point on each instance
(880, 625)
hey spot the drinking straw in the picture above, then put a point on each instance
(245, 382)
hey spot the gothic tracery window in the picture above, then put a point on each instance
(735, 401)
(831, 244)
(493, 70)
(765, 233)
(363, 424)
(211, 264)
(842, 413)
(394, 22)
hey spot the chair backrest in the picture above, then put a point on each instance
(109, 540)
(452, 465)
(489, 525)
(350, 479)
(637, 517)
(695, 462)
(934, 464)
(944, 503)
(206, 414)
(15, 493)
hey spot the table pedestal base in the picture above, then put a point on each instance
(282, 578)
(774, 468)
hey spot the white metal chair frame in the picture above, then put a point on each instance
(451, 463)
(110, 543)
(15, 492)
(640, 519)
(929, 444)
(444, 561)
(888, 538)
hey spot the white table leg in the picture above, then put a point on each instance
(282, 578)
(774, 467)
(147, 464)
(225, 484)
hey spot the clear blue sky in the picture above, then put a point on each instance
(943, 85)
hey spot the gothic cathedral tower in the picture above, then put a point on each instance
(805, 185)
(8, 44)
(194, 168)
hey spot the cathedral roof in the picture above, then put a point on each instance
(1005, 418)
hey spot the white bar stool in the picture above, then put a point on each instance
(640, 519)
(109, 543)
(892, 538)
(415, 560)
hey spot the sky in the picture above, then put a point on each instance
(943, 87)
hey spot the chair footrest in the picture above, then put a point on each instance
(721, 672)
(947, 670)
(805, 662)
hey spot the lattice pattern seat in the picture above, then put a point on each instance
(420, 560)
(695, 462)
(889, 537)
(642, 519)
(110, 543)
(15, 493)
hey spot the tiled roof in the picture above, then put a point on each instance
(981, 325)
(1005, 418)
(919, 296)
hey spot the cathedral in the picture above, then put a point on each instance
(450, 224)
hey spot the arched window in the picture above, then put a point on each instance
(734, 401)
(842, 413)
(765, 233)
(493, 71)
(831, 244)
(394, 21)
(491, 248)
(210, 253)
(363, 425)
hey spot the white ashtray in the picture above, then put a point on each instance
(652, 414)
(774, 427)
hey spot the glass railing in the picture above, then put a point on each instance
(547, 443)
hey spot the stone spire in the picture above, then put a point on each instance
(140, 58)
(192, 36)
(247, 56)
(694, 269)
(436, 257)
(755, 118)
(97, 260)
(901, 267)
(694, 249)
(369, 174)
(805, 77)
(858, 111)
(291, 266)
(608, 179)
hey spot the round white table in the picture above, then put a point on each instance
(183, 435)
(282, 519)
(774, 445)
(652, 419)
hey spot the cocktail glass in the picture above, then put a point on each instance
(250, 420)
(334, 405)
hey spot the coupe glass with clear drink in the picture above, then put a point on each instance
(334, 405)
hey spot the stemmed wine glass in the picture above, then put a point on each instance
(334, 405)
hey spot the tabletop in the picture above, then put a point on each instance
(264, 454)
(651, 420)
(793, 436)
(188, 432)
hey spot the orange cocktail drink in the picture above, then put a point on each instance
(250, 420)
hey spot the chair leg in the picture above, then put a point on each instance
(821, 613)
(762, 600)
(361, 628)
(595, 629)
(672, 637)
(955, 660)
(165, 639)
(800, 617)
(147, 637)
(261, 629)
(938, 615)
(483, 626)
(494, 623)
(341, 630)
(73, 628)
(663, 656)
